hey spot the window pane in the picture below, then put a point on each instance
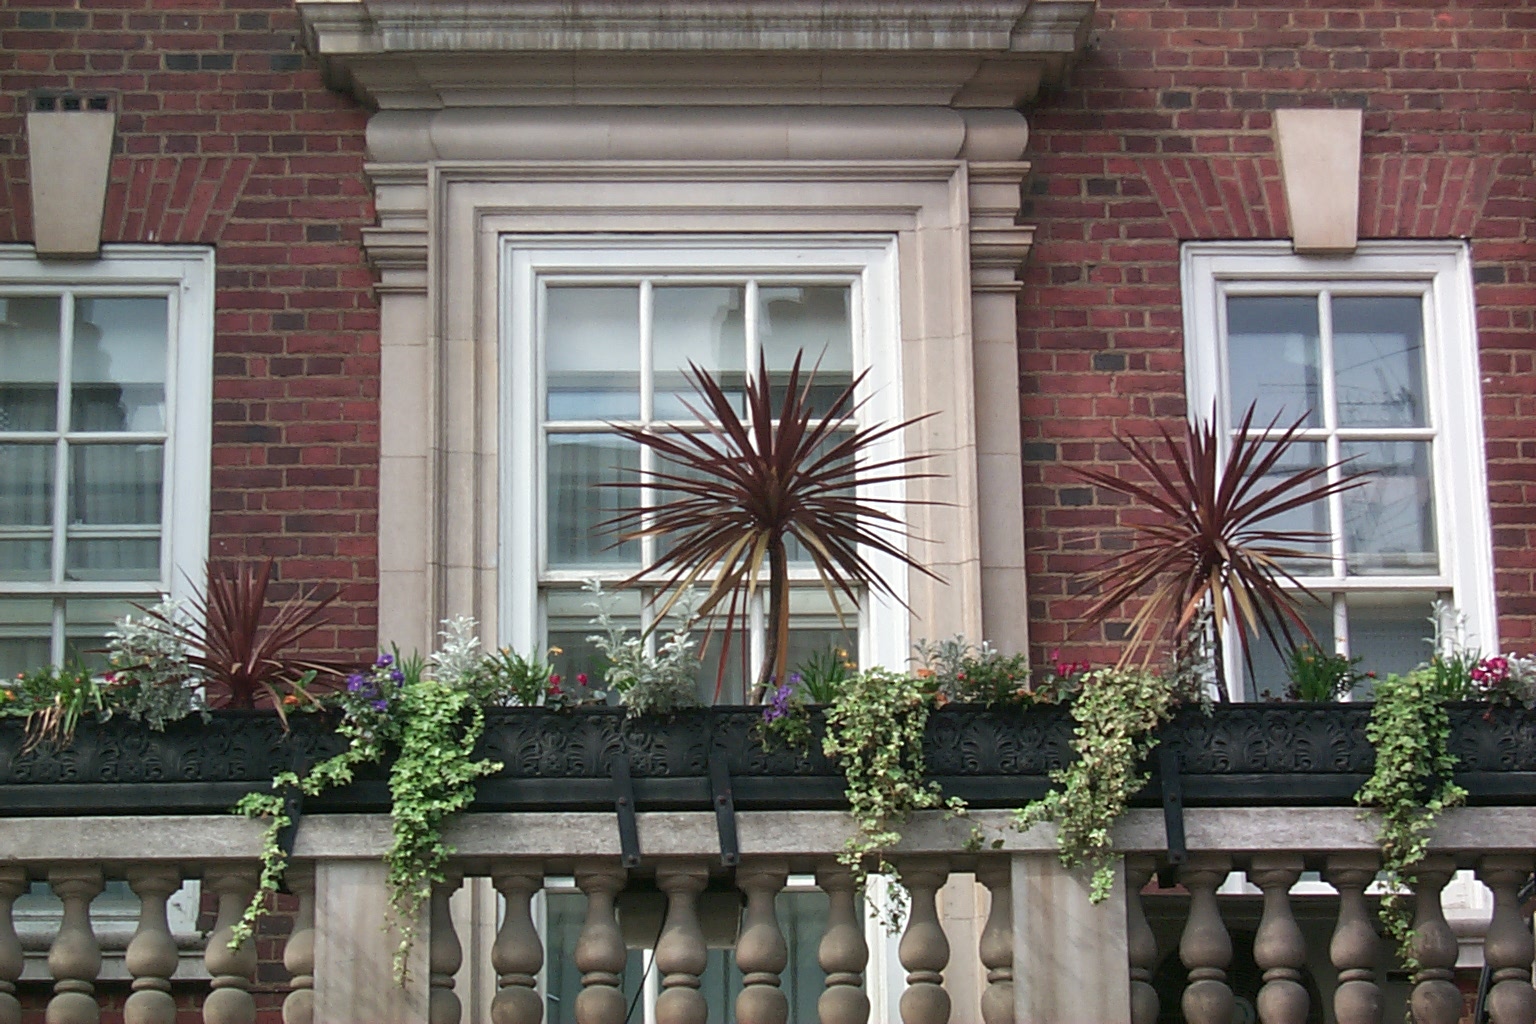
(118, 364)
(26, 511)
(26, 624)
(578, 468)
(813, 320)
(26, 484)
(592, 352)
(1390, 632)
(29, 363)
(1389, 525)
(1311, 518)
(705, 326)
(1378, 361)
(1273, 358)
(797, 551)
(1270, 677)
(116, 484)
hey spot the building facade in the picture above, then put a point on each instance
(358, 285)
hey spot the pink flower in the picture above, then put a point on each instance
(581, 678)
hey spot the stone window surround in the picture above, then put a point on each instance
(874, 117)
(439, 557)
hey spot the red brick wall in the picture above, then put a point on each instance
(227, 137)
(1164, 136)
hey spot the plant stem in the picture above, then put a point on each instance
(776, 661)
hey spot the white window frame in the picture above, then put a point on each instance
(185, 276)
(1441, 272)
(867, 263)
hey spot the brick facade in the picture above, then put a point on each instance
(1164, 136)
(226, 136)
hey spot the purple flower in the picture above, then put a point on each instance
(778, 707)
(385, 660)
(397, 676)
(355, 682)
(381, 705)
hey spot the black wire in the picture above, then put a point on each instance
(640, 990)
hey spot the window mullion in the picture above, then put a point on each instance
(61, 470)
(647, 411)
(1331, 453)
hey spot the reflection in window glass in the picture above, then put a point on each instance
(592, 352)
(82, 497)
(1389, 523)
(1378, 361)
(29, 362)
(117, 365)
(704, 326)
(1274, 358)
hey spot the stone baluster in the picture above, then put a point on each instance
(13, 882)
(1205, 948)
(299, 951)
(518, 953)
(761, 952)
(1278, 946)
(843, 953)
(74, 959)
(924, 949)
(230, 1001)
(996, 946)
(1435, 999)
(1141, 942)
(1357, 1000)
(600, 951)
(152, 956)
(444, 954)
(680, 952)
(1508, 947)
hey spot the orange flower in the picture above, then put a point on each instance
(291, 700)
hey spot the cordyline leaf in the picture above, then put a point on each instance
(1207, 545)
(743, 488)
(231, 648)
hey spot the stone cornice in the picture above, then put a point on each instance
(427, 53)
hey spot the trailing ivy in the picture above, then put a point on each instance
(433, 776)
(875, 731)
(1411, 784)
(433, 724)
(1116, 714)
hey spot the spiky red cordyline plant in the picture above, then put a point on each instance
(234, 652)
(745, 488)
(1209, 547)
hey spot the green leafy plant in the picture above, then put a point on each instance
(647, 683)
(1318, 676)
(875, 732)
(508, 676)
(237, 654)
(823, 675)
(429, 714)
(746, 487)
(1207, 544)
(974, 674)
(54, 699)
(1116, 713)
(1410, 785)
(149, 670)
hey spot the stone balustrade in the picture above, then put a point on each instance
(1293, 934)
